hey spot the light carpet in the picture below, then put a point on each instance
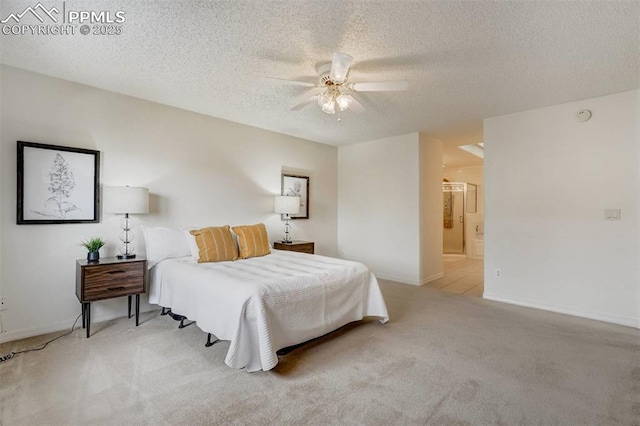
(442, 359)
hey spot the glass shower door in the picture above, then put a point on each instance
(453, 218)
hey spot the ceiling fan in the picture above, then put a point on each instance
(333, 91)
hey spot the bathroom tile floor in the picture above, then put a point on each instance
(462, 276)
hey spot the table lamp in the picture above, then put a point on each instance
(287, 206)
(126, 200)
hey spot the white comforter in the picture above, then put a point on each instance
(267, 303)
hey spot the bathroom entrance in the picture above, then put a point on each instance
(459, 198)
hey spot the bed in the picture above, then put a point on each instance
(267, 303)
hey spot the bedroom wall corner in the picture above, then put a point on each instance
(200, 171)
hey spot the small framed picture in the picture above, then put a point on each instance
(297, 186)
(57, 184)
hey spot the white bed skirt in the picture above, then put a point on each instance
(267, 303)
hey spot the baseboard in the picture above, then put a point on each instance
(405, 280)
(23, 333)
(431, 278)
(454, 256)
(568, 310)
(398, 279)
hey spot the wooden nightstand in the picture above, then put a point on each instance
(108, 278)
(299, 246)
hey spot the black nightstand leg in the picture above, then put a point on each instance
(88, 317)
(137, 308)
(129, 307)
(84, 323)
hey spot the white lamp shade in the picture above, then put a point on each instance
(126, 199)
(287, 205)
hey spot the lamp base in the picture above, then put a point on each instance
(286, 242)
(126, 256)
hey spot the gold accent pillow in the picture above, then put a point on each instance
(253, 240)
(215, 244)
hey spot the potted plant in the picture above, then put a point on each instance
(93, 245)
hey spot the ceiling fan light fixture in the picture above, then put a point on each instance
(329, 109)
(325, 99)
(344, 101)
(332, 92)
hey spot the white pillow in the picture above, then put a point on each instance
(191, 242)
(164, 243)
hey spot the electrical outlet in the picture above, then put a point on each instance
(4, 305)
(498, 273)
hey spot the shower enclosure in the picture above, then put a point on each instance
(459, 198)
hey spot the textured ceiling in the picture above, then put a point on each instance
(465, 61)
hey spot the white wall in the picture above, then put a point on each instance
(390, 207)
(431, 230)
(548, 179)
(199, 170)
(378, 219)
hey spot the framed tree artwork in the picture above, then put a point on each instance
(298, 186)
(57, 184)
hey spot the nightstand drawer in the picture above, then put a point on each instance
(107, 290)
(112, 275)
(298, 246)
(305, 249)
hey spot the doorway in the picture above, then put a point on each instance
(459, 198)
(463, 242)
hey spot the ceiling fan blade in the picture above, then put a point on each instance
(311, 100)
(340, 67)
(381, 86)
(289, 82)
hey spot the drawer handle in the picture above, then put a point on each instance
(115, 288)
(115, 272)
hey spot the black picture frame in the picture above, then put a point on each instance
(296, 185)
(57, 184)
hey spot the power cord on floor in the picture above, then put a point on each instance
(12, 354)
